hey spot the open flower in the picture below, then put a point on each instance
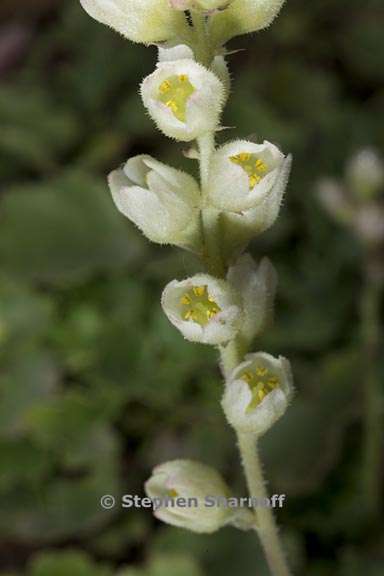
(138, 20)
(183, 98)
(240, 227)
(258, 392)
(162, 201)
(170, 52)
(257, 286)
(203, 308)
(186, 479)
(242, 17)
(243, 173)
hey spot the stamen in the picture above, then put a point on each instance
(198, 305)
(254, 166)
(261, 382)
(175, 93)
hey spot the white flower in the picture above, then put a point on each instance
(242, 17)
(139, 20)
(183, 98)
(171, 52)
(365, 174)
(203, 308)
(186, 479)
(258, 393)
(257, 287)
(162, 201)
(369, 224)
(240, 227)
(335, 200)
(242, 174)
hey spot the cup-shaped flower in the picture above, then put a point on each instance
(170, 52)
(138, 20)
(243, 173)
(183, 98)
(257, 286)
(242, 17)
(191, 482)
(240, 227)
(162, 201)
(257, 393)
(204, 309)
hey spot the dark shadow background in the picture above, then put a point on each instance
(95, 386)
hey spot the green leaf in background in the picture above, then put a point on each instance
(34, 130)
(66, 564)
(24, 386)
(63, 230)
(25, 316)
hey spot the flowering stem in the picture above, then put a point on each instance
(202, 44)
(232, 354)
(370, 314)
(265, 521)
(210, 216)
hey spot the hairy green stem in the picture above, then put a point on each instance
(266, 525)
(210, 217)
(373, 401)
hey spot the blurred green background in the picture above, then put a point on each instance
(96, 386)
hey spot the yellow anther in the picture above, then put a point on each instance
(261, 383)
(173, 494)
(255, 167)
(198, 305)
(175, 93)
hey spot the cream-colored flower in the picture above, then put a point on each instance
(162, 201)
(365, 174)
(183, 98)
(258, 393)
(242, 174)
(138, 20)
(204, 309)
(240, 227)
(187, 479)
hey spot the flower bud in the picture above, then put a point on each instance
(138, 20)
(186, 479)
(242, 174)
(162, 201)
(257, 393)
(242, 17)
(203, 308)
(257, 287)
(365, 174)
(183, 98)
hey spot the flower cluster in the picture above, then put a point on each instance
(239, 197)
